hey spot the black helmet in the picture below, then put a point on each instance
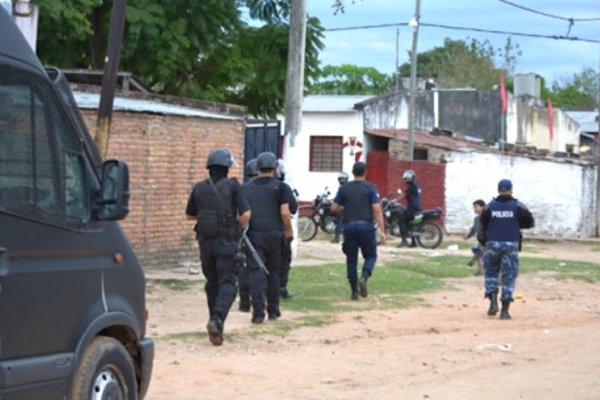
(342, 177)
(220, 157)
(409, 175)
(251, 169)
(266, 160)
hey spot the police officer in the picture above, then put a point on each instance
(270, 226)
(413, 204)
(286, 261)
(342, 179)
(501, 224)
(358, 200)
(244, 278)
(220, 209)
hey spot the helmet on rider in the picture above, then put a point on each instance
(342, 178)
(409, 175)
(251, 169)
(266, 160)
(219, 157)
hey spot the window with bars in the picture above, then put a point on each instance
(326, 153)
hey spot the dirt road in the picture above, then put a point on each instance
(445, 349)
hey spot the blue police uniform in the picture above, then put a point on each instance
(357, 198)
(501, 224)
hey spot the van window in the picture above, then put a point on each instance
(41, 163)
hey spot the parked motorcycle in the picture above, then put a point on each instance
(422, 227)
(315, 216)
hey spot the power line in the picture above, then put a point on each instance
(463, 28)
(571, 20)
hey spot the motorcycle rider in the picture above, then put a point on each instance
(413, 205)
(342, 179)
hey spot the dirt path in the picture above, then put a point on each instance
(447, 349)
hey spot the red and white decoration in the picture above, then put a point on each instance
(355, 147)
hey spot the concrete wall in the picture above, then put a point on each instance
(298, 174)
(166, 157)
(561, 196)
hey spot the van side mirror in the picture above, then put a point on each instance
(113, 202)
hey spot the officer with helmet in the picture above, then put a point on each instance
(244, 278)
(413, 204)
(286, 264)
(220, 210)
(342, 179)
(269, 228)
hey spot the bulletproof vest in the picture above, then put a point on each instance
(415, 201)
(205, 198)
(504, 223)
(264, 204)
(357, 202)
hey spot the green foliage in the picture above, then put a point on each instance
(199, 49)
(462, 63)
(577, 93)
(350, 79)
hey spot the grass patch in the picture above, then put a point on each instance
(177, 285)
(564, 269)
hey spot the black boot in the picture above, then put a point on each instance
(493, 310)
(244, 303)
(284, 294)
(336, 238)
(504, 311)
(362, 285)
(354, 288)
(403, 243)
(215, 331)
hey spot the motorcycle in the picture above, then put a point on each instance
(422, 227)
(315, 216)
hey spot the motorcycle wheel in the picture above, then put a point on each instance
(307, 228)
(327, 224)
(430, 235)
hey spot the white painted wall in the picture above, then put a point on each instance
(561, 196)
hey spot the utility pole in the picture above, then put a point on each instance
(413, 81)
(109, 79)
(597, 158)
(294, 85)
(397, 82)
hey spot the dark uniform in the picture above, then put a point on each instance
(286, 261)
(244, 276)
(217, 247)
(501, 224)
(266, 195)
(413, 205)
(357, 199)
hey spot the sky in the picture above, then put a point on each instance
(555, 60)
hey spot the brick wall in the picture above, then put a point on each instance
(430, 177)
(166, 157)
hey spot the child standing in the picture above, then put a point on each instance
(478, 207)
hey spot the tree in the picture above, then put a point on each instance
(579, 92)
(199, 49)
(459, 63)
(350, 79)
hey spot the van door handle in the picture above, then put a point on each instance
(3, 262)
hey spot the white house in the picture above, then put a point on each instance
(331, 140)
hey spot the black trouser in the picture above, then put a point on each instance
(403, 220)
(286, 264)
(269, 246)
(218, 267)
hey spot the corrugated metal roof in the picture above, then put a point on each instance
(586, 119)
(92, 101)
(332, 103)
(421, 138)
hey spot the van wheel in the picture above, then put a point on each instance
(105, 373)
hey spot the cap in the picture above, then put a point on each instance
(504, 185)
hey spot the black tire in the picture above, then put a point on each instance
(105, 373)
(393, 228)
(431, 235)
(327, 224)
(307, 228)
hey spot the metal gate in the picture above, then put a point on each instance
(261, 136)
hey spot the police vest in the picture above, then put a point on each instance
(503, 224)
(264, 205)
(357, 202)
(205, 198)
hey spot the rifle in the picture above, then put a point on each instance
(245, 240)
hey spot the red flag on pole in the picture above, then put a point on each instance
(503, 105)
(550, 119)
